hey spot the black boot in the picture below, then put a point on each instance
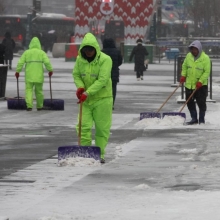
(201, 117)
(194, 119)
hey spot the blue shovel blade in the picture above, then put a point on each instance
(149, 115)
(17, 104)
(65, 152)
(174, 114)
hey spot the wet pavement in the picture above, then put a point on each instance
(30, 137)
(159, 159)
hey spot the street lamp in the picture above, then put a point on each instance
(30, 18)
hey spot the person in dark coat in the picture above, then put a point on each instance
(110, 49)
(139, 52)
(2, 53)
(39, 36)
(9, 44)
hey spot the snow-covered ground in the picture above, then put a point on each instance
(171, 175)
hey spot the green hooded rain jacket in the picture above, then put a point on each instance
(34, 58)
(196, 70)
(95, 76)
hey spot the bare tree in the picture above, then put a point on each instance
(206, 16)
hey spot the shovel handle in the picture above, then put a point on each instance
(80, 123)
(50, 89)
(17, 89)
(168, 97)
(187, 100)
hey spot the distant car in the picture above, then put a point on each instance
(169, 7)
(172, 2)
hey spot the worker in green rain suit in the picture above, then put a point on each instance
(92, 77)
(34, 58)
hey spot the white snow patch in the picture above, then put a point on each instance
(188, 151)
(166, 121)
(123, 149)
(79, 162)
(148, 122)
(57, 217)
(188, 159)
(142, 186)
(172, 120)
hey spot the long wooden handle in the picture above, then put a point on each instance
(168, 98)
(80, 124)
(187, 100)
(51, 99)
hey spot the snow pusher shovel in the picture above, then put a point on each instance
(157, 114)
(53, 104)
(16, 103)
(180, 112)
(66, 152)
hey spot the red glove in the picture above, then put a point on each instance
(79, 92)
(50, 73)
(198, 85)
(182, 79)
(83, 97)
(17, 75)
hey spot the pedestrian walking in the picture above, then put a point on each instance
(34, 60)
(72, 37)
(2, 53)
(9, 44)
(92, 77)
(139, 52)
(110, 49)
(195, 73)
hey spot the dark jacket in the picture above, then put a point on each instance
(2, 53)
(110, 49)
(9, 44)
(139, 52)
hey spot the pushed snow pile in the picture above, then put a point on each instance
(142, 186)
(79, 162)
(166, 121)
(172, 120)
(57, 217)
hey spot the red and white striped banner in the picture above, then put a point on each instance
(136, 15)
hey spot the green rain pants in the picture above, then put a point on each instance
(38, 93)
(99, 114)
